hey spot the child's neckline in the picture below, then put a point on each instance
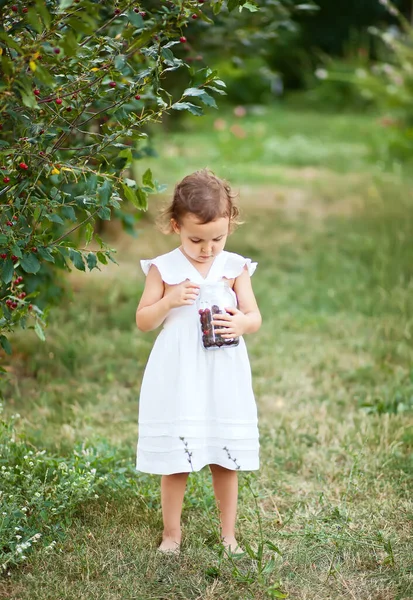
(203, 277)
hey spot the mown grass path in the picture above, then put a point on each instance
(333, 376)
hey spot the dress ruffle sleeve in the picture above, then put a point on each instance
(235, 264)
(169, 274)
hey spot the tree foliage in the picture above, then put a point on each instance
(80, 81)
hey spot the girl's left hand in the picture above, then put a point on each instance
(233, 324)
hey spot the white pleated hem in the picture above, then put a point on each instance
(162, 463)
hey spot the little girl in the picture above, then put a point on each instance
(197, 406)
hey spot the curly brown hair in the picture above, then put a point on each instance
(204, 195)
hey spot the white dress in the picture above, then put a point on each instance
(197, 406)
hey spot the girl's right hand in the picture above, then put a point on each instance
(182, 294)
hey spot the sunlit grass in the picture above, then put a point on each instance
(332, 368)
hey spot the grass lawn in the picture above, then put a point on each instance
(332, 369)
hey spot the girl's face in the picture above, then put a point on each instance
(202, 241)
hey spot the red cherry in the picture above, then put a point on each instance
(142, 14)
(41, 153)
(41, 131)
(117, 11)
(25, 9)
(19, 279)
(136, 10)
(34, 249)
(112, 84)
(3, 255)
(69, 109)
(194, 16)
(9, 223)
(15, 218)
(23, 295)
(6, 180)
(30, 306)
(56, 50)
(14, 305)
(14, 258)
(14, 8)
(137, 97)
(9, 302)
(182, 39)
(23, 165)
(36, 92)
(59, 101)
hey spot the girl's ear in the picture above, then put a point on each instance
(175, 226)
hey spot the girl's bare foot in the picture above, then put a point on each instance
(170, 545)
(231, 544)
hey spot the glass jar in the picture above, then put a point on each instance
(212, 300)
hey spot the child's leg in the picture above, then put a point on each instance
(172, 495)
(225, 482)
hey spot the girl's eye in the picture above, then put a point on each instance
(198, 241)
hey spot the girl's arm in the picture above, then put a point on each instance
(153, 306)
(247, 303)
(246, 318)
(156, 302)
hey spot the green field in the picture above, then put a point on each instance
(332, 368)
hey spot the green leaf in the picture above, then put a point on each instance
(63, 4)
(91, 184)
(142, 198)
(249, 6)
(147, 178)
(91, 261)
(104, 213)
(39, 331)
(273, 547)
(104, 192)
(77, 259)
(192, 108)
(10, 42)
(33, 18)
(269, 567)
(136, 196)
(17, 250)
(44, 13)
(29, 263)
(69, 44)
(126, 153)
(44, 76)
(232, 4)
(3, 239)
(307, 7)
(274, 593)
(102, 258)
(45, 254)
(89, 233)
(5, 344)
(28, 99)
(68, 213)
(54, 218)
(193, 92)
(7, 270)
(7, 65)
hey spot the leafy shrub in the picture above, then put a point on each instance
(41, 492)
